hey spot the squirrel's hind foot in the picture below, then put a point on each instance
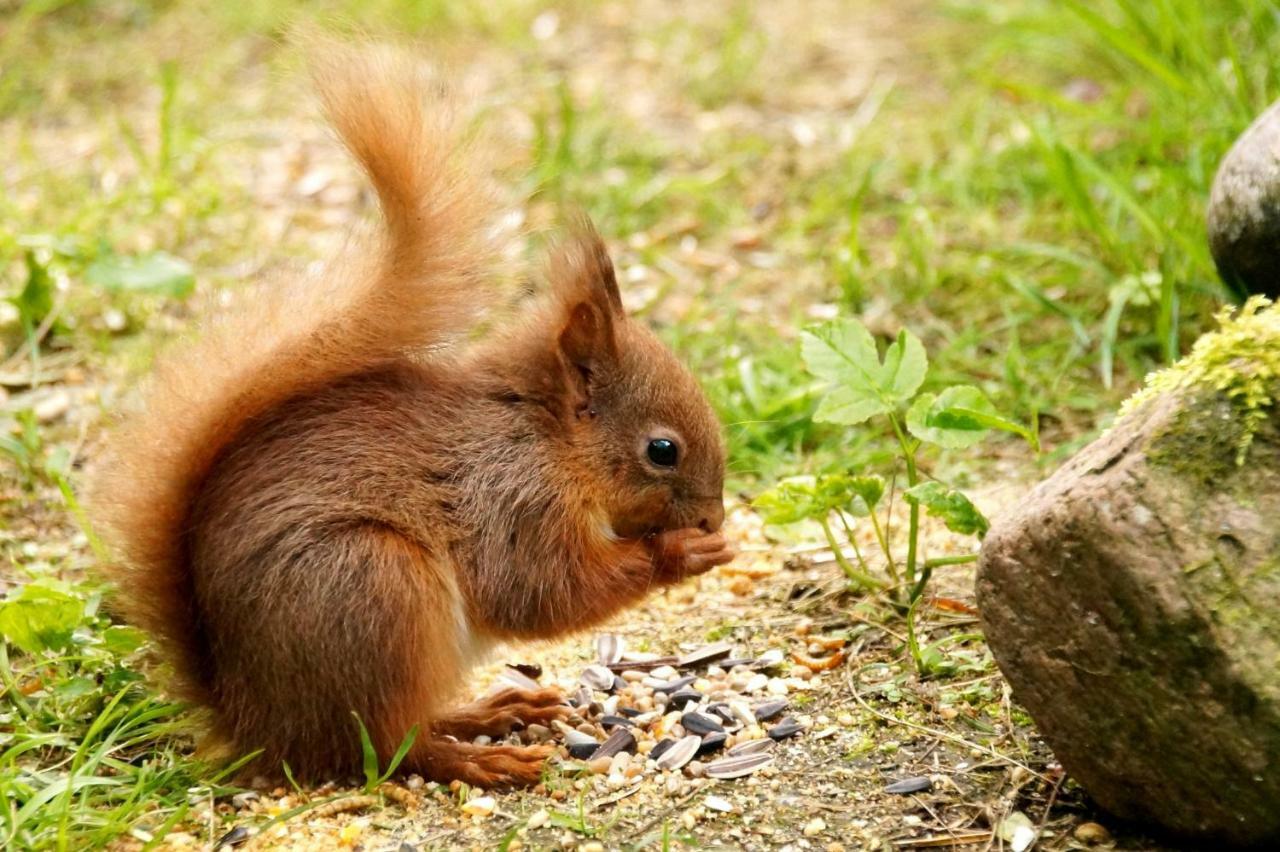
(487, 766)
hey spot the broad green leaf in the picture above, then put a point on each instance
(843, 353)
(792, 500)
(122, 639)
(955, 432)
(802, 498)
(40, 617)
(953, 508)
(959, 417)
(157, 273)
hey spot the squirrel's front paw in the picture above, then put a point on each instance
(683, 553)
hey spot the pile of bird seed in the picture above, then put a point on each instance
(710, 712)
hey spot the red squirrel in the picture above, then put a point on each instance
(337, 496)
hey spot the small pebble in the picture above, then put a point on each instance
(538, 819)
(1092, 834)
(480, 806)
(598, 678)
(814, 827)
(715, 803)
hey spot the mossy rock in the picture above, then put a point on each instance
(1133, 600)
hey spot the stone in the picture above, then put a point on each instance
(1133, 599)
(1244, 209)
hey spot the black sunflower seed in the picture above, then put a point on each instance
(697, 723)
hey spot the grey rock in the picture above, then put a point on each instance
(1244, 209)
(1133, 602)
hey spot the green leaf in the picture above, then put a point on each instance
(36, 299)
(959, 417)
(867, 489)
(156, 273)
(792, 500)
(122, 639)
(802, 498)
(942, 419)
(843, 353)
(953, 508)
(40, 617)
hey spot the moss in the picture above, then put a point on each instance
(1240, 361)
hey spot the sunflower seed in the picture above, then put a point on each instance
(234, 837)
(676, 685)
(658, 750)
(915, 784)
(518, 677)
(739, 765)
(608, 722)
(598, 678)
(680, 753)
(770, 710)
(722, 713)
(750, 747)
(711, 743)
(628, 664)
(705, 654)
(684, 698)
(770, 659)
(697, 723)
(582, 751)
(620, 740)
(745, 662)
(788, 727)
(609, 648)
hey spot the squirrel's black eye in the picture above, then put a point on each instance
(663, 452)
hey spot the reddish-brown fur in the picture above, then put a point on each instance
(331, 500)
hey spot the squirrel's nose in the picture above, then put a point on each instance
(712, 517)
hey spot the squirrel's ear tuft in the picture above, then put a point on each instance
(586, 289)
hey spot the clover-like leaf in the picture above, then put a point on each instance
(792, 500)
(843, 353)
(156, 273)
(40, 617)
(950, 506)
(868, 489)
(952, 419)
(802, 498)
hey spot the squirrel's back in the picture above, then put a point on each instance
(419, 283)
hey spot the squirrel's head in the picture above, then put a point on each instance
(633, 417)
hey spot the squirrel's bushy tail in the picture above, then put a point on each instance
(418, 282)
